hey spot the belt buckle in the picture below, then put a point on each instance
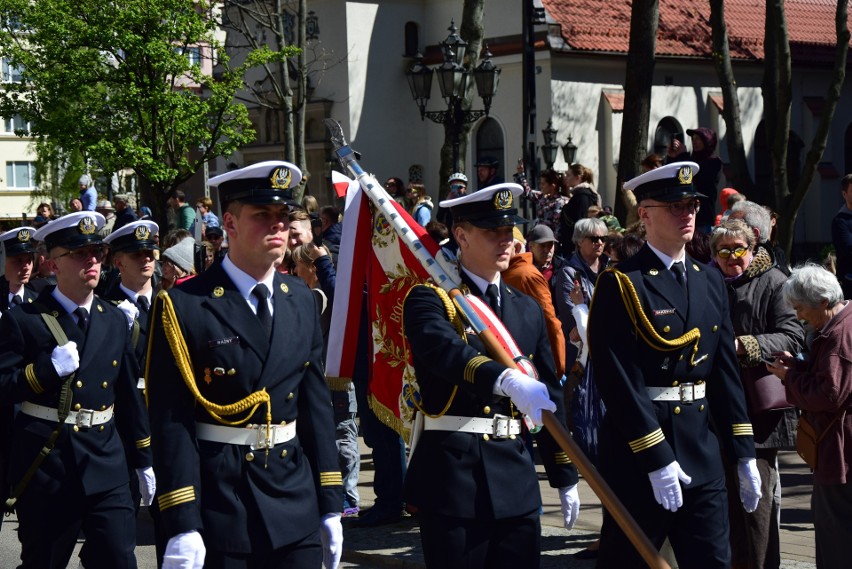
(85, 418)
(500, 426)
(687, 393)
(261, 441)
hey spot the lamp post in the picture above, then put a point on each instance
(453, 80)
(569, 151)
(549, 148)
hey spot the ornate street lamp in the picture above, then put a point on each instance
(569, 151)
(549, 148)
(453, 80)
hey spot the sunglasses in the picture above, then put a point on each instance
(596, 238)
(735, 253)
(457, 187)
(679, 208)
(83, 255)
(390, 185)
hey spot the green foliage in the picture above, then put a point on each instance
(112, 79)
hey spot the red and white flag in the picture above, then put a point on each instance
(376, 268)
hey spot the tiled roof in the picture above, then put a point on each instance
(684, 27)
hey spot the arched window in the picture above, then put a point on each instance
(667, 129)
(412, 39)
(489, 143)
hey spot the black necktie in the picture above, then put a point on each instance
(82, 318)
(493, 297)
(142, 303)
(260, 292)
(680, 274)
(16, 300)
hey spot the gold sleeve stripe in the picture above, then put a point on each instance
(176, 497)
(561, 458)
(743, 430)
(646, 442)
(472, 366)
(32, 380)
(143, 443)
(331, 479)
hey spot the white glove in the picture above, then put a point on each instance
(570, 498)
(131, 311)
(749, 477)
(331, 535)
(185, 551)
(65, 359)
(528, 394)
(147, 484)
(666, 485)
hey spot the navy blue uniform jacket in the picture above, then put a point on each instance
(639, 435)
(243, 501)
(461, 474)
(107, 375)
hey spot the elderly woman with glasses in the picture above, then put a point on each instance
(821, 385)
(763, 324)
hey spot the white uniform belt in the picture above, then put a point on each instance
(685, 392)
(499, 426)
(254, 436)
(83, 418)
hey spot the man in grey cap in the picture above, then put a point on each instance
(20, 249)
(67, 359)
(244, 435)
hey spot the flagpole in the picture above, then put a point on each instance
(383, 202)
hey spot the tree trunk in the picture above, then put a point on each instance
(777, 97)
(639, 73)
(740, 178)
(793, 200)
(301, 159)
(287, 92)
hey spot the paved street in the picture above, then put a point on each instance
(398, 545)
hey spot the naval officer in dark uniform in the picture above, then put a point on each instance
(471, 476)
(19, 254)
(132, 247)
(244, 435)
(661, 341)
(68, 345)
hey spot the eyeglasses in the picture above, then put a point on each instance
(596, 238)
(735, 253)
(214, 237)
(679, 208)
(83, 255)
(457, 187)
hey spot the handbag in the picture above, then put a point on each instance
(807, 440)
(764, 391)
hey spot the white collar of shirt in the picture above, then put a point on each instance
(482, 283)
(69, 305)
(246, 283)
(668, 261)
(19, 294)
(134, 296)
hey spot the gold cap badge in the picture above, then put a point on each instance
(281, 178)
(87, 226)
(684, 175)
(24, 235)
(504, 199)
(142, 233)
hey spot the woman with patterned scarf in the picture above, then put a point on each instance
(763, 324)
